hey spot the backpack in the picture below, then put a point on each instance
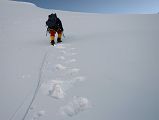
(51, 22)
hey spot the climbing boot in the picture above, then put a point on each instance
(59, 40)
(52, 42)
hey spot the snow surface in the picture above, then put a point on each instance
(106, 68)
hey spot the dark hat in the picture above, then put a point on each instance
(53, 15)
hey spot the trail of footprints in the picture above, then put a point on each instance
(60, 73)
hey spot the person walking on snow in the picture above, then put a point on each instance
(54, 25)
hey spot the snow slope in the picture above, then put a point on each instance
(106, 68)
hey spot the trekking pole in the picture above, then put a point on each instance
(46, 32)
(63, 35)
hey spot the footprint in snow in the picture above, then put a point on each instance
(73, 54)
(38, 115)
(61, 58)
(60, 46)
(73, 71)
(73, 48)
(63, 52)
(60, 67)
(56, 92)
(71, 61)
(75, 106)
(54, 88)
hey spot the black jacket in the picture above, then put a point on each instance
(57, 26)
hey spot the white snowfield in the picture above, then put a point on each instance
(107, 67)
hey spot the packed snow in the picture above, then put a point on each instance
(106, 67)
(77, 105)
